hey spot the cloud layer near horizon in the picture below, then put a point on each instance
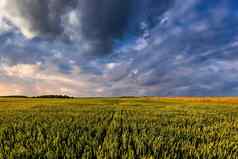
(114, 48)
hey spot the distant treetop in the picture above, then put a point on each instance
(53, 96)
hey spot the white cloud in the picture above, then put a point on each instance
(112, 65)
(4, 26)
(141, 44)
(21, 70)
(32, 79)
(10, 89)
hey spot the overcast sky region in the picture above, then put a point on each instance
(119, 47)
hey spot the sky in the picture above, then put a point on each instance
(119, 47)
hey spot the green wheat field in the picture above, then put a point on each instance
(114, 128)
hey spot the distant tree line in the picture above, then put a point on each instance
(42, 96)
(14, 96)
(53, 96)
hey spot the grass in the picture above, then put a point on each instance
(148, 127)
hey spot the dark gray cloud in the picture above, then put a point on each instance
(36, 17)
(193, 53)
(95, 23)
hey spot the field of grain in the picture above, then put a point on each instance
(111, 128)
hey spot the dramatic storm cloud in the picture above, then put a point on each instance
(97, 23)
(118, 47)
